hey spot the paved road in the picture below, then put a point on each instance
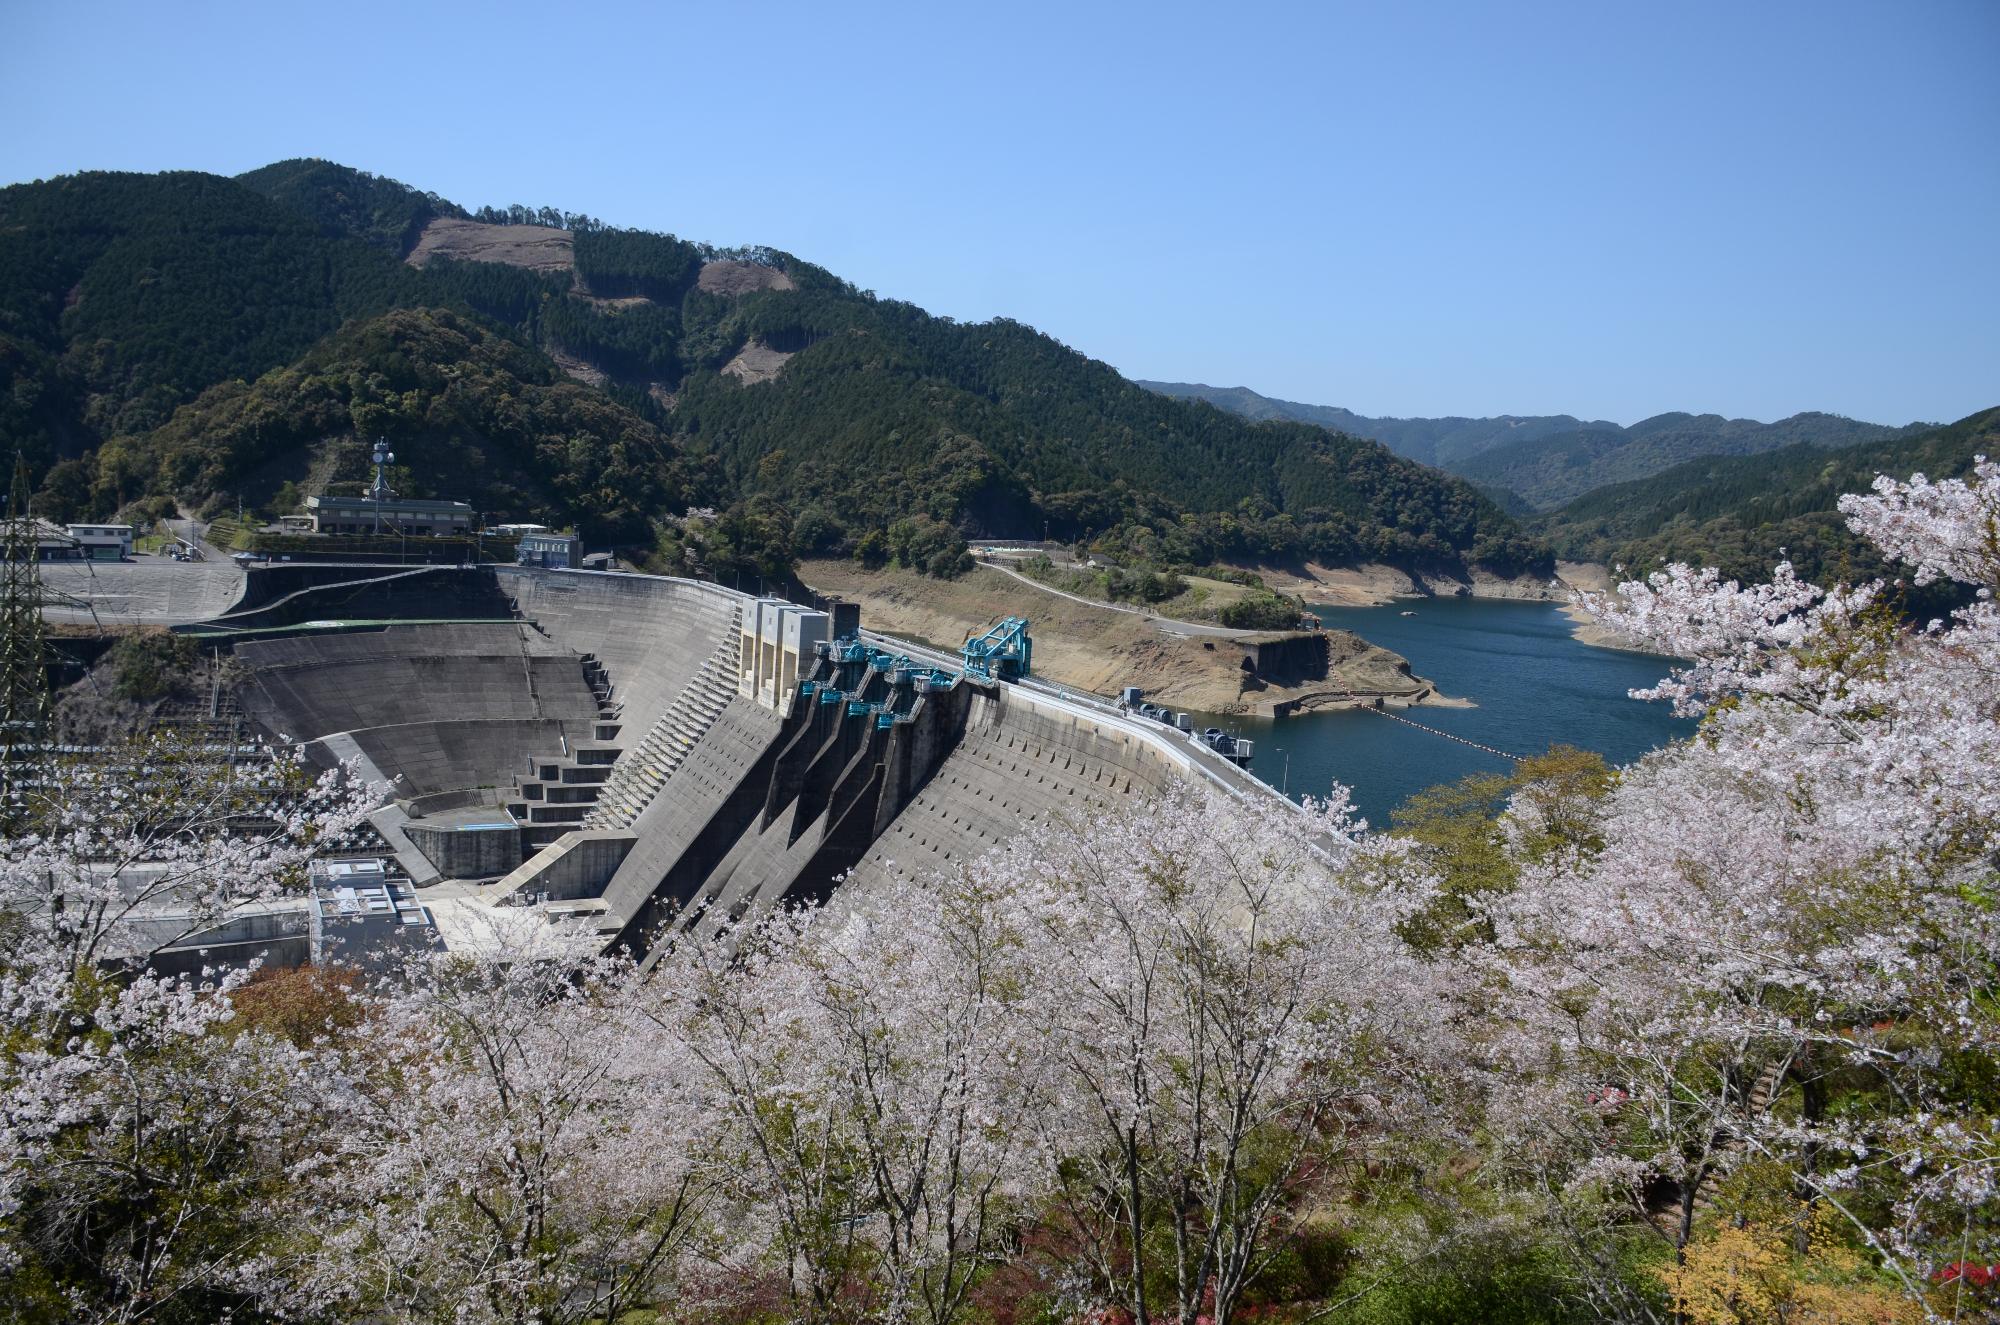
(1166, 625)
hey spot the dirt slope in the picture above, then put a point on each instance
(755, 362)
(734, 278)
(1366, 586)
(535, 247)
(1096, 649)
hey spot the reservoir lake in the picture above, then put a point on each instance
(1535, 685)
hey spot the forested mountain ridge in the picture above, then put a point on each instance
(353, 203)
(1443, 442)
(1547, 460)
(743, 376)
(1549, 471)
(1742, 513)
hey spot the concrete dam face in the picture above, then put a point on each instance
(628, 753)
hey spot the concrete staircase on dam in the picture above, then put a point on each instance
(554, 792)
(577, 810)
(639, 775)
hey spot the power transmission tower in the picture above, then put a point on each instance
(24, 690)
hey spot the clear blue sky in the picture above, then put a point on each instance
(1605, 209)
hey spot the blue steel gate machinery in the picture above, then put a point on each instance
(1003, 653)
(847, 680)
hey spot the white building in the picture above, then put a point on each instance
(103, 542)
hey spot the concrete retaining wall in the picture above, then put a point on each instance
(287, 595)
(469, 851)
(574, 866)
(1021, 764)
(651, 633)
(443, 707)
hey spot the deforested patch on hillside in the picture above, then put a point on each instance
(536, 247)
(578, 369)
(756, 362)
(728, 277)
(612, 303)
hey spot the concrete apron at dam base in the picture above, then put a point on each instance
(626, 753)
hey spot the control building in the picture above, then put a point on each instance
(102, 542)
(550, 551)
(391, 515)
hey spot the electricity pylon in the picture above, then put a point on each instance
(24, 689)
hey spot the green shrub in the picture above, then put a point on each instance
(1265, 611)
(922, 544)
(149, 667)
(1528, 1287)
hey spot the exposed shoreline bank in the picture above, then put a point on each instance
(1100, 649)
(1379, 585)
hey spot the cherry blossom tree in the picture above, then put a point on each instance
(795, 1185)
(136, 1140)
(1227, 1007)
(128, 851)
(524, 1147)
(1794, 909)
(923, 1014)
(869, 1066)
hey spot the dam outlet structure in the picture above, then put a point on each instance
(631, 754)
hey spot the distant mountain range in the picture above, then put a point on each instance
(1542, 461)
(1742, 514)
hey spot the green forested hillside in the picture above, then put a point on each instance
(1546, 460)
(1444, 442)
(128, 298)
(1738, 512)
(1001, 429)
(352, 203)
(122, 296)
(477, 416)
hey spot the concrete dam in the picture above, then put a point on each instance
(628, 753)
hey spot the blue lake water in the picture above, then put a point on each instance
(1534, 684)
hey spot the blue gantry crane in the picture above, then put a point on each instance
(1003, 653)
